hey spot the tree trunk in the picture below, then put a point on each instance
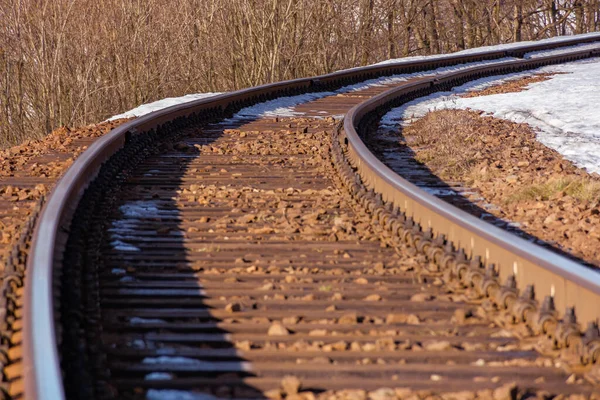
(391, 48)
(518, 22)
(591, 10)
(431, 30)
(579, 21)
(366, 30)
(459, 27)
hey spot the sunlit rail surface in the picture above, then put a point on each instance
(198, 250)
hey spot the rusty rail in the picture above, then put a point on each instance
(562, 283)
(41, 359)
(11, 286)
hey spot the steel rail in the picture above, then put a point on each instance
(41, 334)
(569, 283)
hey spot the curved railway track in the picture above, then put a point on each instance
(189, 251)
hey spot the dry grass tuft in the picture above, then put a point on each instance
(440, 148)
(580, 188)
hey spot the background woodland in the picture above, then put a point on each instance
(74, 62)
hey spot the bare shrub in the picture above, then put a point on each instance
(72, 62)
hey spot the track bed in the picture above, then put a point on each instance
(235, 259)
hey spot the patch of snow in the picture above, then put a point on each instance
(172, 394)
(118, 271)
(132, 211)
(416, 109)
(506, 46)
(158, 376)
(138, 344)
(284, 106)
(122, 246)
(562, 109)
(144, 208)
(168, 360)
(121, 226)
(160, 104)
(395, 79)
(140, 321)
(545, 53)
(438, 192)
(280, 107)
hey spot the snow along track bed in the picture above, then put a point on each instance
(502, 175)
(259, 265)
(563, 108)
(284, 105)
(225, 256)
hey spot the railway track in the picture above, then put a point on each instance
(253, 257)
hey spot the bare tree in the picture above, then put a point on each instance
(72, 62)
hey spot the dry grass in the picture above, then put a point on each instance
(525, 181)
(444, 151)
(451, 143)
(580, 188)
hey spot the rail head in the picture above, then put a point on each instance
(41, 361)
(570, 284)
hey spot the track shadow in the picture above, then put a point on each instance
(391, 148)
(136, 310)
(191, 349)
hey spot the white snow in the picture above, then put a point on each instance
(160, 104)
(131, 212)
(283, 107)
(506, 46)
(544, 53)
(118, 271)
(563, 110)
(280, 107)
(122, 246)
(438, 192)
(144, 208)
(171, 394)
(141, 321)
(168, 360)
(158, 376)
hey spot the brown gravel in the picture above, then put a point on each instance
(514, 86)
(255, 213)
(315, 279)
(508, 391)
(527, 182)
(29, 170)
